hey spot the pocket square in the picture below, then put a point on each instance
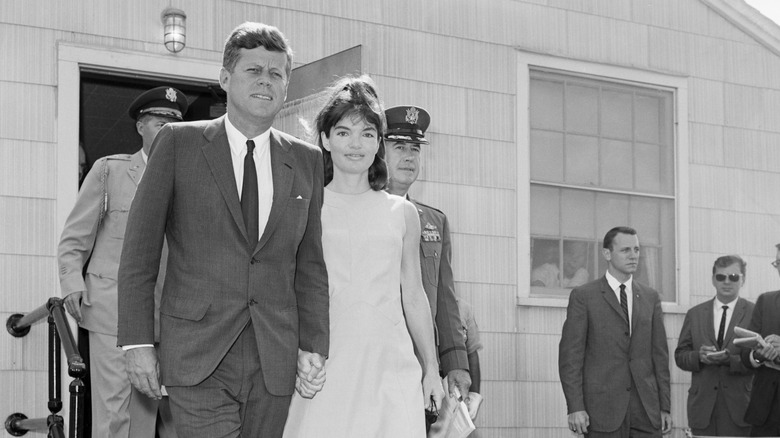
(299, 197)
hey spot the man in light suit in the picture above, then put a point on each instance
(763, 412)
(405, 134)
(720, 387)
(246, 291)
(613, 358)
(93, 237)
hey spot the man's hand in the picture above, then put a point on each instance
(143, 369)
(769, 352)
(460, 379)
(703, 350)
(311, 374)
(666, 422)
(579, 422)
(73, 305)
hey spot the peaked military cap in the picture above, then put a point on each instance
(160, 101)
(407, 123)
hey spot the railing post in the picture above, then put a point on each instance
(76, 423)
(55, 400)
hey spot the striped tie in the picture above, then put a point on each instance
(624, 301)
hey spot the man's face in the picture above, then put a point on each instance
(777, 261)
(148, 126)
(726, 289)
(403, 163)
(257, 87)
(623, 257)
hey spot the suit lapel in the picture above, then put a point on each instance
(611, 299)
(136, 169)
(736, 318)
(217, 153)
(282, 165)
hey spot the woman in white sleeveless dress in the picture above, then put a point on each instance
(374, 385)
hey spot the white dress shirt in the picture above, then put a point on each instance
(262, 156)
(615, 285)
(717, 313)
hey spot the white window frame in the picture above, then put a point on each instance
(526, 62)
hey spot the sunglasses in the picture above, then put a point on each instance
(732, 277)
(775, 263)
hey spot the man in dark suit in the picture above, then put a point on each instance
(720, 387)
(405, 134)
(246, 292)
(613, 357)
(763, 412)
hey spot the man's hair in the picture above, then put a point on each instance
(728, 260)
(610, 236)
(251, 35)
(354, 97)
(777, 246)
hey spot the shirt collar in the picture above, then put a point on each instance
(237, 140)
(615, 284)
(145, 157)
(718, 305)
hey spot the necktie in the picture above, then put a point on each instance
(249, 196)
(624, 301)
(722, 328)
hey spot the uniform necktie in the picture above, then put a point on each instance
(249, 196)
(624, 301)
(722, 328)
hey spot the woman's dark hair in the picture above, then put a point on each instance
(354, 97)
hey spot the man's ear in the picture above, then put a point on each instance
(224, 78)
(139, 128)
(606, 253)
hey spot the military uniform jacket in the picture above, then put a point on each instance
(436, 262)
(94, 233)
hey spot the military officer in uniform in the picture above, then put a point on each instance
(404, 136)
(93, 236)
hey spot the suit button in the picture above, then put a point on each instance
(252, 302)
(628, 389)
(252, 262)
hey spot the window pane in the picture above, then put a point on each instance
(546, 156)
(611, 211)
(581, 114)
(617, 165)
(545, 262)
(648, 126)
(547, 102)
(582, 160)
(648, 168)
(545, 211)
(577, 213)
(616, 114)
(579, 264)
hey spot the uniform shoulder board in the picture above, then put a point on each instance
(123, 157)
(429, 207)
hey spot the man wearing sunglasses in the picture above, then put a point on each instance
(763, 412)
(720, 384)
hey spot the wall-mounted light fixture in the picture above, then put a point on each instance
(175, 29)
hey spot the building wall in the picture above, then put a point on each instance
(456, 58)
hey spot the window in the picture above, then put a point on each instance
(600, 153)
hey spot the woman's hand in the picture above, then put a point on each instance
(431, 384)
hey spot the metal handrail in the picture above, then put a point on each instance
(60, 338)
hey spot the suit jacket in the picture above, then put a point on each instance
(94, 233)
(766, 384)
(217, 281)
(598, 359)
(733, 380)
(439, 285)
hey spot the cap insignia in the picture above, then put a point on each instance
(411, 115)
(170, 94)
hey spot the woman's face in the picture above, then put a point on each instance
(352, 143)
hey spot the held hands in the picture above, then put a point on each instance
(666, 422)
(73, 305)
(579, 422)
(143, 369)
(311, 374)
(431, 385)
(458, 379)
